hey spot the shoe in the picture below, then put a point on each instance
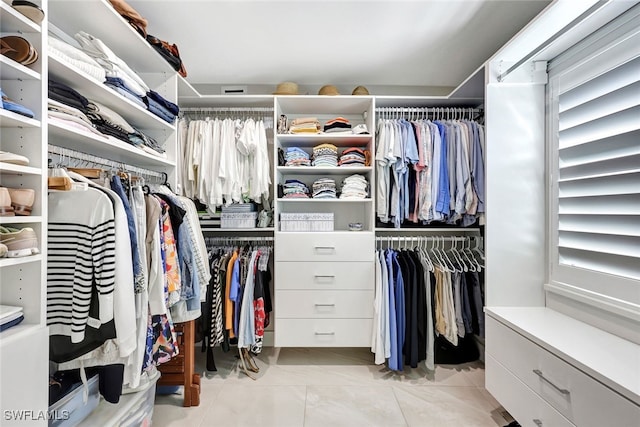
(30, 10)
(19, 242)
(22, 200)
(3, 250)
(5, 203)
(10, 105)
(15, 159)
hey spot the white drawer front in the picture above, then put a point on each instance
(582, 399)
(330, 246)
(519, 400)
(323, 332)
(324, 304)
(325, 275)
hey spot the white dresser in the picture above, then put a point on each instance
(324, 293)
(548, 369)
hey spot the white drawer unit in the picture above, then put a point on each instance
(308, 275)
(529, 409)
(330, 246)
(324, 304)
(573, 393)
(323, 332)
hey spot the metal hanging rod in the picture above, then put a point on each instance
(432, 112)
(231, 240)
(226, 109)
(69, 154)
(427, 238)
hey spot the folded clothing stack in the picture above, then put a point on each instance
(76, 57)
(304, 125)
(353, 156)
(296, 156)
(354, 187)
(337, 125)
(324, 188)
(67, 105)
(325, 155)
(10, 316)
(294, 189)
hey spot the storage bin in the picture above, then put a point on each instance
(141, 413)
(71, 409)
(306, 221)
(238, 220)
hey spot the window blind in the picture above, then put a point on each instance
(594, 116)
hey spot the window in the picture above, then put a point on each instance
(594, 129)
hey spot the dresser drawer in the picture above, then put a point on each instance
(576, 395)
(323, 332)
(330, 246)
(324, 304)
(519, 400)
(325, 275)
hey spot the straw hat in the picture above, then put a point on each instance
(360, 90)
(328, 90)
(286, 88)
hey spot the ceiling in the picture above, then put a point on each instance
(315, 42)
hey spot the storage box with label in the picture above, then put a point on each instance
(306, 221)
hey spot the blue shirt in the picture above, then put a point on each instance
(442, 204)
(393, 329)
(400, 313)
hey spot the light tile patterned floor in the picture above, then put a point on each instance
(304, 387)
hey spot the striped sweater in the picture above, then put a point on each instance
(81, 254)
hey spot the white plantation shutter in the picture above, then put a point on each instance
(594, 111)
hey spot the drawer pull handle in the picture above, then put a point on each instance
(537, 422)
(325, 276)
(539, 373)
(325, 305)
(325, 333)
(325, 248)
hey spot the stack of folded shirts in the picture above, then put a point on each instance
(76, 57)
(353, 156)
(325, 155)
(294, 189)
(296, 157)
(337, 125)
(324, 188)
(10, 316)
(354, 187)
(304, 125)
(70, 116)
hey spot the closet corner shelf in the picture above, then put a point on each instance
(10, 169)
(113, 30)
(12, 21)
(16, 332)
(97, 91)
(312, 200)
(12, 70)
(119, 151)
(320, 104)
(10, 119)
(313, 170)
(20, 219)
(7, 262)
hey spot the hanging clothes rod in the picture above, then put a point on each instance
(67, 153)
(231, 240)
(227, 109)
(425, 238)
(449, 113)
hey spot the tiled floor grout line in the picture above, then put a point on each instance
(395, 396)
(304, 412)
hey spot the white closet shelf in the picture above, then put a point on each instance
(7, 262)
(12, 70)
(425, 101)
(10, 119)
(29, 219)
(95, 90)
(291, 140)
(17, 332)
(67, 137)
(313, 170)
(10, 169)
(311, 200)
(229, 101)
(12, 21)
(320, 104)
(72, 16)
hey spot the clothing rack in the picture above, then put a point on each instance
(416, 113)
(407, 241)
(213, 241)
(67, 156)
(239, 112)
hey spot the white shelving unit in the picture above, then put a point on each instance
(24, 348)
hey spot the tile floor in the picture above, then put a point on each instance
(299, 387)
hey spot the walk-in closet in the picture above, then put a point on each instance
(305, 213)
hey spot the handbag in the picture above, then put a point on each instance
(169, 52)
